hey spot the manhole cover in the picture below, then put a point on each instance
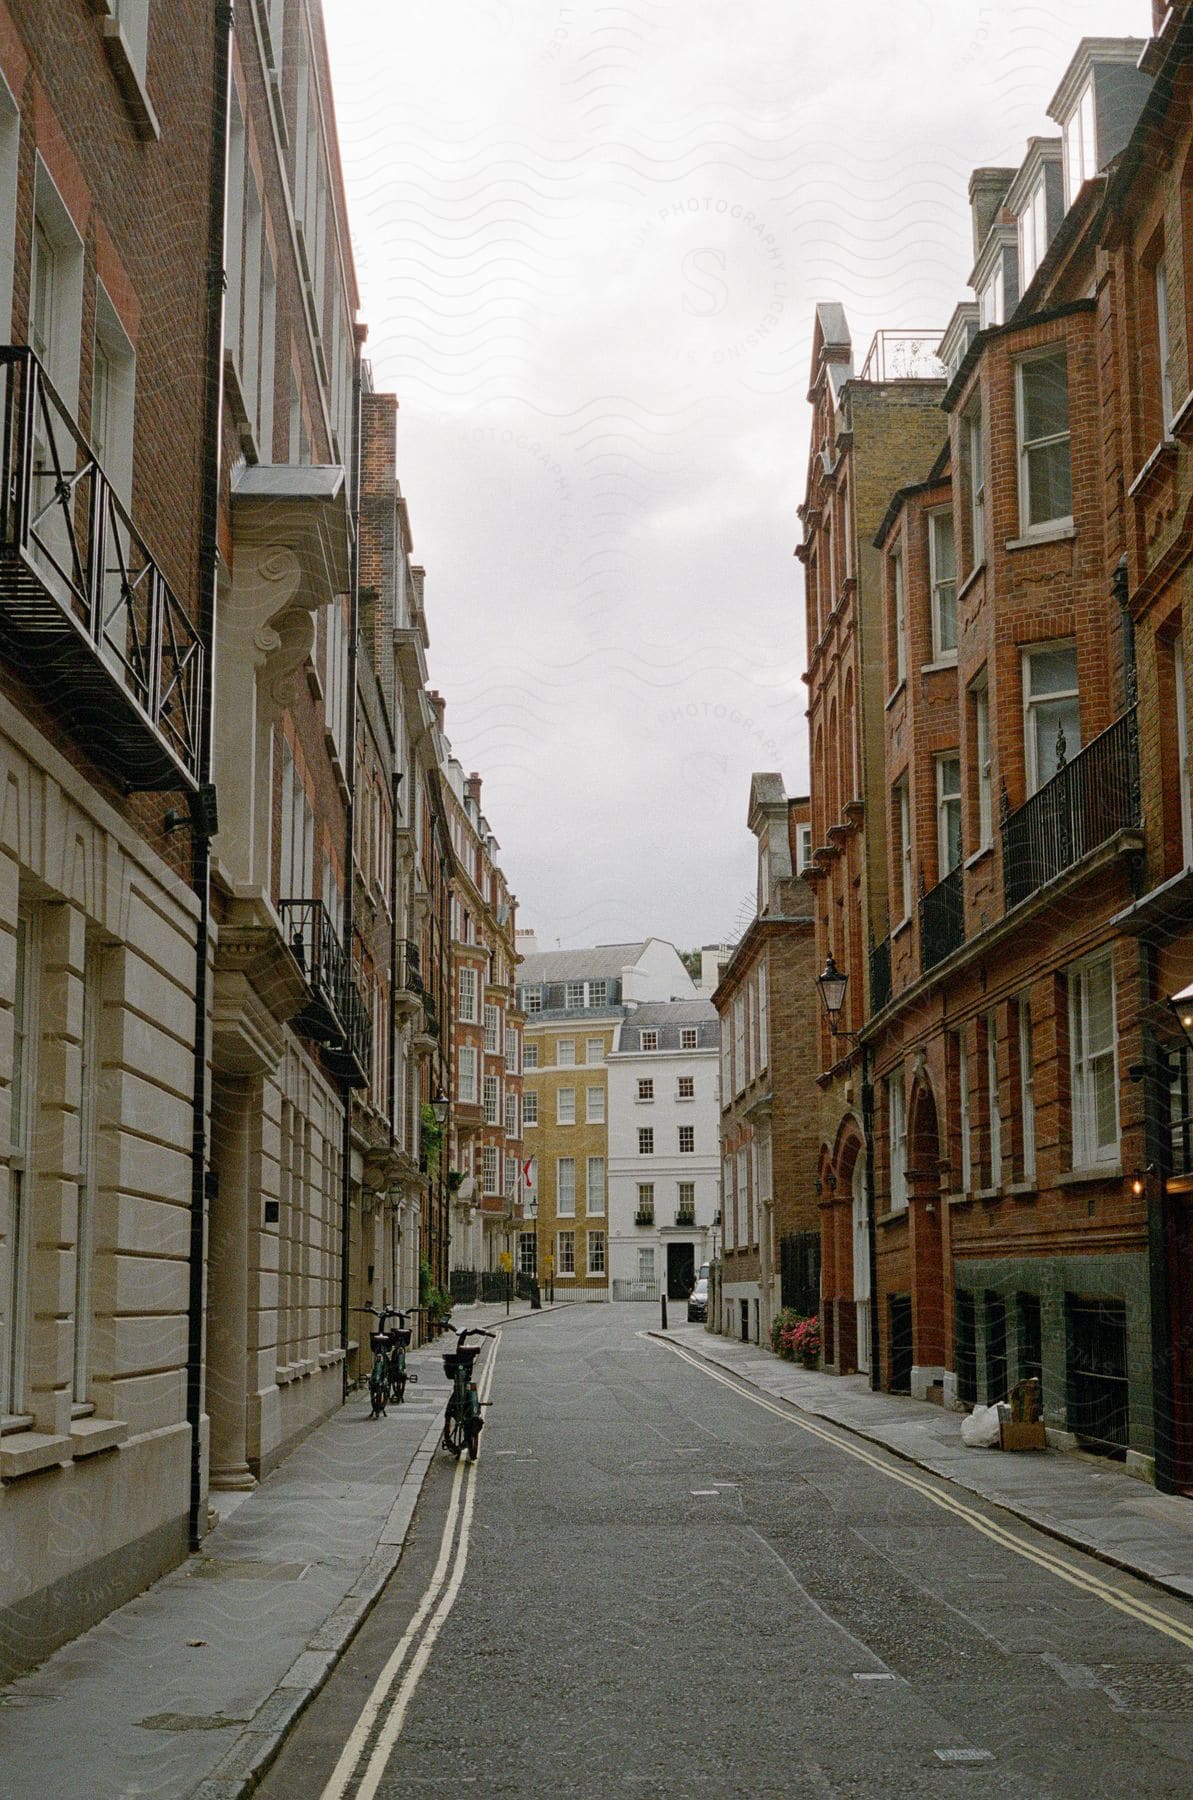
(1148, 1687)
(215, 1568)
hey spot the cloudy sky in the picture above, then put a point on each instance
(590, 239)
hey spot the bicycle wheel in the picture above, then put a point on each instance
(397, 1388)
(472, 1437)
(377, 1396)
(453, 1432)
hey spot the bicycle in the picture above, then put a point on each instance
(389, 1374)
(462, 1421)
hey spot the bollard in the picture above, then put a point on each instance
(664, 1312)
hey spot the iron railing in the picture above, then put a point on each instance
(880, 975)
(942, 919)
(1086, 802)
(685, 1215)
(903, 356)
(69, 550)
(337, 1013)
(644, 1215)
(409, 970)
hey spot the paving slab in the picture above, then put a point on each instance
(1082, 1500)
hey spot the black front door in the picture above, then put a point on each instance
(681, 1270)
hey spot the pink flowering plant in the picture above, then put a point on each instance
(801, 1339)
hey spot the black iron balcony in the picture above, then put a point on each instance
(83, 604)
(644, 1215)
(351, 1057)
(880, 975)
(685, 1215)
(1084, 805)
(336, 1013)
(942, 919)
(409, 970)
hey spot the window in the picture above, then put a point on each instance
(594, 1106)
(992, 299)
(530, 1107)
(467, 1075)
(565, 1106)
(897, 1114)
(1052, 718)
(492, 1094)
(532, 999)
(132, 16)
(565, 1185)
(594, 1050)
(595, 1194)
(511, 1050)
(645, 1088)
(598, 992)
(943, 573)
(645, 1140)
(685, 1087)
(113, 384)
(648, 1040)
(530, 1055)
(981, 739)
(646, 1262)
(1080, 145)
(1184, 755)
(898, 619)
(527, 1257)
(89, 1067)
(646, 1202)
(739, 1042)
(902, 810)
(565, 1053)
(1164, 345)
(1027, 1096)
(574, 995)
(22, 1138)
(948, 813)
(803, 848)
(565, 1259)
(685, 1201)
(763, 1017)
(596, 1253)
(1093, 1068)
(976, 471)
(963, 1123)
(468, 1012)
(490, 1170)
(687, 1140)
(689, 1038)
(511, 1115)
(1033, 234)
(1045, 478)
(10, 139)
(993, 1101)
(492, 1030)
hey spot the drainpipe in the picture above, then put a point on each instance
(349, 834)
(203, 821)
(1157, 1139)
(871, 1233)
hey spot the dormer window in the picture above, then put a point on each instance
(803, 847)
(992, 299)
(1033, 232)
(1080, 141)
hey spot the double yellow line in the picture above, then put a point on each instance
(1134, 1608)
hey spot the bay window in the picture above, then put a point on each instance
(1093, 1062)
(1051, 714)
(1045, 476)
(943, 566)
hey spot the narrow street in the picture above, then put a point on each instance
(670, 1583)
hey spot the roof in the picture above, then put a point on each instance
(668, 1018)
(671, 1012)
(600, 962)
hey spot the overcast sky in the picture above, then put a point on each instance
(590, 239)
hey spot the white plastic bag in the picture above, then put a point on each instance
(980, 1430)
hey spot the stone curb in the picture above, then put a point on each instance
(1180, 1587)
(247, 1758)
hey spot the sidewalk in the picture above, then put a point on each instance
(1084, 1501)
(189, 1689)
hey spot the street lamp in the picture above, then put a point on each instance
(441, 1106)
(1181, 1007)
(832, 983)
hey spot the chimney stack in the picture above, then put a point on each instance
(472, 789)
(438, 706)
(987, 191)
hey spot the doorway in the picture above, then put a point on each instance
(681, 1270)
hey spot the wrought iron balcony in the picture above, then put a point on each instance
(83, 604)
(942, 919)
(336, 1014)
(409, 970)
(685, 1215)
(880, 975)
(1085, 804)
(644, 1215)
(904, 356)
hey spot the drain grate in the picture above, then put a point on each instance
(964, 1756)
(1148, 1687)
(216, 1568)
(172, 1721)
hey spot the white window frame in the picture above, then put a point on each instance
(573, 995)
(565, 1255)
(594, 1106)
(1088, 1153)
(646, 1140)
(645, 1200)
(565, 1187)
(490, 1169)
(803, 847)
(594, 1186)
(646, 1262)
(993, 1100)
(687, 1140)
(466, 1074)
(491, 1097)
(565, 1106)
(1031, 699)
(565, 1053)
(948, 803)
(530, 1108)
(903, 794)
(645, 1095)
(1164, 346)
(532, 998)
(685, 1197)
(1079, 144)
(680, 1082)
(981, 701)
(689, 1037)
(942, 584)
(648, 1040)
(899, 625)
(963, 1115)
(897, 1116)
(594, 1045)
(1033, 232)
(977, 487)
(1027, 1089)
(1029, 527)
(467, 1002)
(492, 1018)
(598, 1256)
(530, 1054)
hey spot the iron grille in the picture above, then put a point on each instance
(880, 975)
(799, 1271)
(1086, 802)
(942, 919)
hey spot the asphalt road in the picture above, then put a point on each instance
(670, 1588)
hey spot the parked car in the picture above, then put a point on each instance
(698, 1301)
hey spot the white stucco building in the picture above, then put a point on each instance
(664, 1154)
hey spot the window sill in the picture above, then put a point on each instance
(1083, 1177)
(980, 569)
(128, 78)
(939, 665)
(1023, 1190)
(26, 1452)
(1164, 452)
(983, 850)
(1060, 533)
(898, 1215)
(901, 927)
(90, 1436)
(900, 687)
(962, 1198)
(988, 1194)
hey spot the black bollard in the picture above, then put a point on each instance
(664, 1312)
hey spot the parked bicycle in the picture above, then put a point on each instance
(462, 1421)
(389, 1344)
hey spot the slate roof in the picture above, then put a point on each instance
(602, 962)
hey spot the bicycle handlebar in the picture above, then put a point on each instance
(470, 1331)
(382, 1313)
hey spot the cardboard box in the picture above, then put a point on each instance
(1018, 1435)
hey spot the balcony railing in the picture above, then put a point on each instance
(880, 975)
(409, 970)
(82, 600)
(685, 1215)
(942, 919)
(903, 356)
(336, 1013)
(1086, 802)
(644, 1215)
